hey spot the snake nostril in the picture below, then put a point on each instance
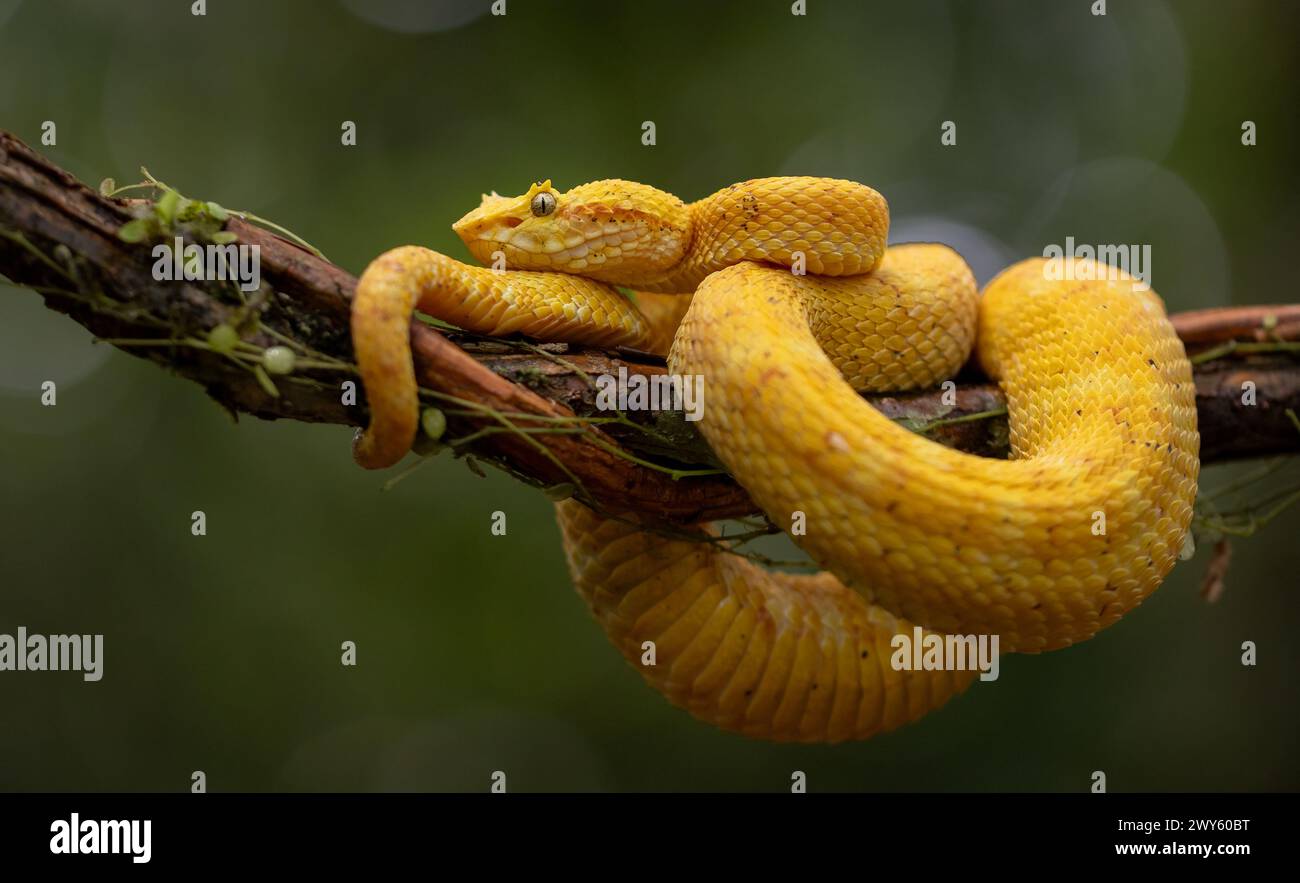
(512, 222)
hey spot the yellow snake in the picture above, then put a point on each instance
(1101, 408)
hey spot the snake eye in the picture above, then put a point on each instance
(543, 204)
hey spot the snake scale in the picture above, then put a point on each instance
(1101, 408)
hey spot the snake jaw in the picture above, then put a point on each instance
(482, 228)
(509, 225)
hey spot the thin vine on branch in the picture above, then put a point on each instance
(283, 352)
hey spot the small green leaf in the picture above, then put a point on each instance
(166, 206)
(134, 231)
(223, 338)
(265, 381)
(278, 360)
(223, 237)
(433, 422)
(216, 212)
(107, 186)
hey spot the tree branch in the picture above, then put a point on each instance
(60, 238)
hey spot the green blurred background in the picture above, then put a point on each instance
(222, 652)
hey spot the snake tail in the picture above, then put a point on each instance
(547, 306)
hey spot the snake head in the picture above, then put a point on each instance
(616, 231)
(502, 221)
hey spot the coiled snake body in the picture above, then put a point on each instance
(1100, 404)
